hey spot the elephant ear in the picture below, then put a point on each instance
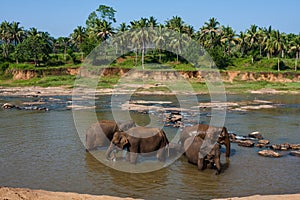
(123, 141)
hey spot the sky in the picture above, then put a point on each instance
(61, 17)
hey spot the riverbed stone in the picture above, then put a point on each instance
(295, 146)
(284, 146)
(295, 153)
(276, 146)
(269, 153)
(245, 143)
(256, 135)
(8, 106)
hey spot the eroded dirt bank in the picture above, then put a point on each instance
(7, 193)
(229, 76)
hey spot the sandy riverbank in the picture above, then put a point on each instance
(28, 194)
(52, 91)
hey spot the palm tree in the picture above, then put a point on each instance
(6, 37)
(123, 27)
(63, 42)
(178, 26)
(211, 29)
(78, 36)
(279, 46)
(295, 47)
(267, 34)
(242, 42)
(102, 29)
(17, 32)
(253, 37)
(160, 39)
(228, 38)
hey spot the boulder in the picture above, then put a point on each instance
(284, 146)
(269, 153)
(265, 142)
(295, 146)
(245, 143)
(295, 153)
(176, 118)
(276, 147)
(262, 143)
(256, 135)
(8, 106)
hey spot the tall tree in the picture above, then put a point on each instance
(211, 30)
(228, 38)
(77, 37)
(295, 47)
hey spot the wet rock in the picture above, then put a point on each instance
(269, 153)
(8, 106)
(276, 146)
(176, 118)
(295, 146)
(284, 146)
(245, 143)
(295, 153)
(256, 135)
(262, 143)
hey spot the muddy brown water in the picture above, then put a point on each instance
(42, 150)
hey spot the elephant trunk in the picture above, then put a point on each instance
(110, 149)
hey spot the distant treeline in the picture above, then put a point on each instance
(222, 42)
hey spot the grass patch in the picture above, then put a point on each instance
(47, 81)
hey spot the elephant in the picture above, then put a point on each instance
(100, 133)
(139, 140)
(195, 154)
(204, 131)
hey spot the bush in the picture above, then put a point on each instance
(3, 67)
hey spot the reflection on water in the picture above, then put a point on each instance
(41, 150)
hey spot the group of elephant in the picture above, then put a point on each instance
(200, 143)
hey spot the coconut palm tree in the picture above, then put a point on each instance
(6, 37)
(253, 38)
(63, 42)
(17, 32)
(77, 37)
(102, 29)
(242, 42)
(295, 47)
(141, 36)
(211, 29)
(228, 38)
(279, 46)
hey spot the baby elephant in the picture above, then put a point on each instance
(202, 158)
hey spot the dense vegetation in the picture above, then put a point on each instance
(253, 49)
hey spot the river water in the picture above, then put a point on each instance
(42, 150)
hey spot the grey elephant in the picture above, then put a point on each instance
(219, 134)
(202, 158)
(100, 133)
(139, 140)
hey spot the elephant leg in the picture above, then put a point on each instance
(161, 154)
(218, 165)
(133, 157)
(201, 164)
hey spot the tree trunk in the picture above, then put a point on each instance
(143, 55)
(278, 64)
(296, 60)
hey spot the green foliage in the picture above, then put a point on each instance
(3, 66)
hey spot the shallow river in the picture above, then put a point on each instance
(42, 150)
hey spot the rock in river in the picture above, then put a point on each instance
(246, 143)
(295, 153)
(256, 135)
(269, 153)
(262, 143)
(8, 106)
